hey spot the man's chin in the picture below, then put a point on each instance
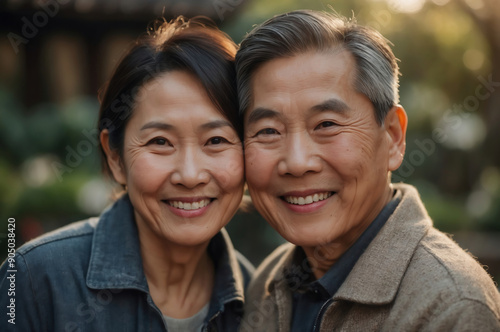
(306, 240)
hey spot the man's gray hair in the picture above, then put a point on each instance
(301, 31)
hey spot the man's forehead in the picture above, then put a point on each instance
(329, 105)
(294, 74)
(327, 65)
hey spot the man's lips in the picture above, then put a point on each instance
(305, 198)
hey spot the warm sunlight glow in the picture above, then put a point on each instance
(406, 6)
(475, 4)
(473, 59)
(463, 131)
(440, 2)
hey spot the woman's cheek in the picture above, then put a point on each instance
(148, 172)
(230, 175)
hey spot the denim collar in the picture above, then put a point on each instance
(116, 262)
(229, 281)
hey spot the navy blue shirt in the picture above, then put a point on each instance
(311, 297)
(88, 276)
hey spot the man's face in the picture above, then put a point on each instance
(317, 161)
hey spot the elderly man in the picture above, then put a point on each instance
(323, 131)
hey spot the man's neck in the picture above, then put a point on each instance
(323, 256)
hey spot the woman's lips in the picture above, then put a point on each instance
(188, 207)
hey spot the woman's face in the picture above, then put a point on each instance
(182, 162)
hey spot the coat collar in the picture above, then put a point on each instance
(376, 277)
(116, 262)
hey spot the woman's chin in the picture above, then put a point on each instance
(190, 238)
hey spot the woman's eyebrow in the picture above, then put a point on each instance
(216, 124)
(157, 125)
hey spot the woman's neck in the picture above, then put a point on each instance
(180, 278)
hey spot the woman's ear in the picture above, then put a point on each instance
(395, 123)
(113, 158)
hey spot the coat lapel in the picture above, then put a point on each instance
(376, 277)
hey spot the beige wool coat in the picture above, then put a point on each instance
(412, 277)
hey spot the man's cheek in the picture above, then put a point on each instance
(252, 156)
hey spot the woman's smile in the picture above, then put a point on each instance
(189, 207)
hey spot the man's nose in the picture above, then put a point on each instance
(299, 156)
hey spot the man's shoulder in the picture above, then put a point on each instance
(459, 266)
(442, 271)
(65, 240)
(269, 268)
(438, 264)
(260, 310)
(246, 267)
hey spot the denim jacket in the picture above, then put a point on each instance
(88, 276)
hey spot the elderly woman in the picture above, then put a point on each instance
(159, 257)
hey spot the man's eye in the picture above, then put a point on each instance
(217, 140)
(267, 131)
(325, 124)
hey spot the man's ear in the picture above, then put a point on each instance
(395, 124)
(113, 158)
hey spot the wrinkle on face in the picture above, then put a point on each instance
(176, 109)
(352, 151)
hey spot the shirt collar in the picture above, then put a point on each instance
(299, 274)
(376, 276)
(334, 277)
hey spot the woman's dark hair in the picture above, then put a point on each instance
(196, 46)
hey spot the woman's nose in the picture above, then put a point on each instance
(190, 169)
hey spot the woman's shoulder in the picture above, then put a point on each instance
(52, 259)
(70, 239)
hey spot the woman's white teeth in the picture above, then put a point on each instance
(307, 199)
(189, 205)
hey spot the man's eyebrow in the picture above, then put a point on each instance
(333, 104)
(216, 124)
(260, 113)
(157, 125)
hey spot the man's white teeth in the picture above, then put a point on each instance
(189, 206)
(308, 199)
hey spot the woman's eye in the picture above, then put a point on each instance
(217, 140)
(267, 131)
(159, 141)
(325, 124)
